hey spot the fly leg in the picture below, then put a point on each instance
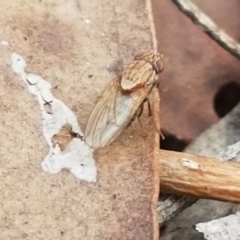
(140, 110)
(137, 115)
(150, 115)
(149, 107)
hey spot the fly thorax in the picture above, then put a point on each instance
(155, 59)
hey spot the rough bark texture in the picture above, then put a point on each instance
(201, 177)
(77, 46)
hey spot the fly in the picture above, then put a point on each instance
(122, 99)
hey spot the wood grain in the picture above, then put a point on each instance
(202, 177)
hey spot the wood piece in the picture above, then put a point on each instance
(210, 144)
(156, 120)
(214, 142)
(184, 173)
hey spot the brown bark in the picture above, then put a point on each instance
(184, 173)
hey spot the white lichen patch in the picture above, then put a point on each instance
(4, 43)
(231, 152)
(77, 157)
(189, 163)
(226, 228)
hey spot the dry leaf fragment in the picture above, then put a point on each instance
(64, 136)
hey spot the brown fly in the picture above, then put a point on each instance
(122, 99)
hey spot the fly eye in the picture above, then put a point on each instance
(160, 65)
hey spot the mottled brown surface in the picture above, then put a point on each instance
(196, 67)
(73, 56)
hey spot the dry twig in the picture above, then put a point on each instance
(210, 144)
(202, 177)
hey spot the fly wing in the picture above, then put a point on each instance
(137, 73)
(112, 114)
